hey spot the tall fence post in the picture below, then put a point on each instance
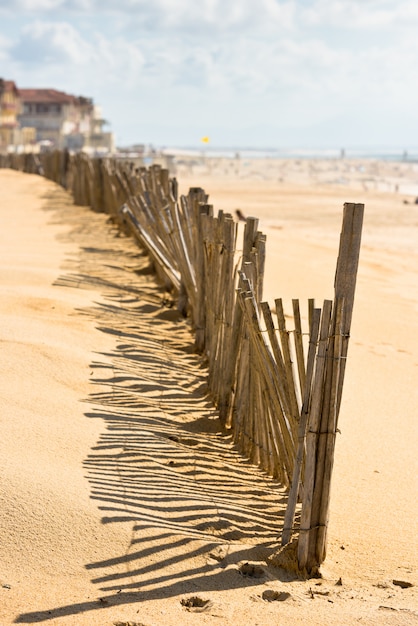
(326, 397)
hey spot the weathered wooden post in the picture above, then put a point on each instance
(326, 397)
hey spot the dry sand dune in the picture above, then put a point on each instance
(120, 496)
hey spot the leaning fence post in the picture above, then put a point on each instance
(344, 285)
(346, 273)
(297, 472)
(320, 457)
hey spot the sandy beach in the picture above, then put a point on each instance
(121, 497)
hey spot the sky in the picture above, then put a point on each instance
(245, 73)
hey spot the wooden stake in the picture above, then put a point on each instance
(312, 435)
(297, 472)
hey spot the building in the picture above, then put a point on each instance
(52, 113)
(62, 120)
(9, 110)
(31, 119)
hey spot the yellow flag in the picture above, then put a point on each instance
(205, 140)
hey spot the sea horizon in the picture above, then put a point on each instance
(368, 152)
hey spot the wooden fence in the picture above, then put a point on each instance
(279, 393)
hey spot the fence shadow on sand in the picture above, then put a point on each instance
(163, 463)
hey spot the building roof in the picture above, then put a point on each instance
(46, 96)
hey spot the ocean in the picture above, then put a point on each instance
(380, 153)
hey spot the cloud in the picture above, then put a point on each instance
(51, 42)
(37, 6)
(290, 63)
(60, 44)
(368, 14)
(220, 17)
(287, 68)
(214, 16)
(235, 15)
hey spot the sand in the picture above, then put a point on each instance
(121, 498)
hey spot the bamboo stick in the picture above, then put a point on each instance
(282, 380)
(278, 469)
(250, 272)
(250, 233)
(298, 340)
(294, 491)
(288, 363)
(329, 381)
(242, 396)
(312, 435)
(233, 360)
(224, 286)
(148, 243)
(228, 303)
(232, 367)
(346, 273)
(265, 458)
(269, 371)
(330, 429)
(238, 414)
(260, 247)
(200, 209)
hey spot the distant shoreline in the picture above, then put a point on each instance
(389, 154)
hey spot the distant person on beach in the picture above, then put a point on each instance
(240, 216)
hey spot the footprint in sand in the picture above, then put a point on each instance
(269, 595)
(251, 570)
(195, 604)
